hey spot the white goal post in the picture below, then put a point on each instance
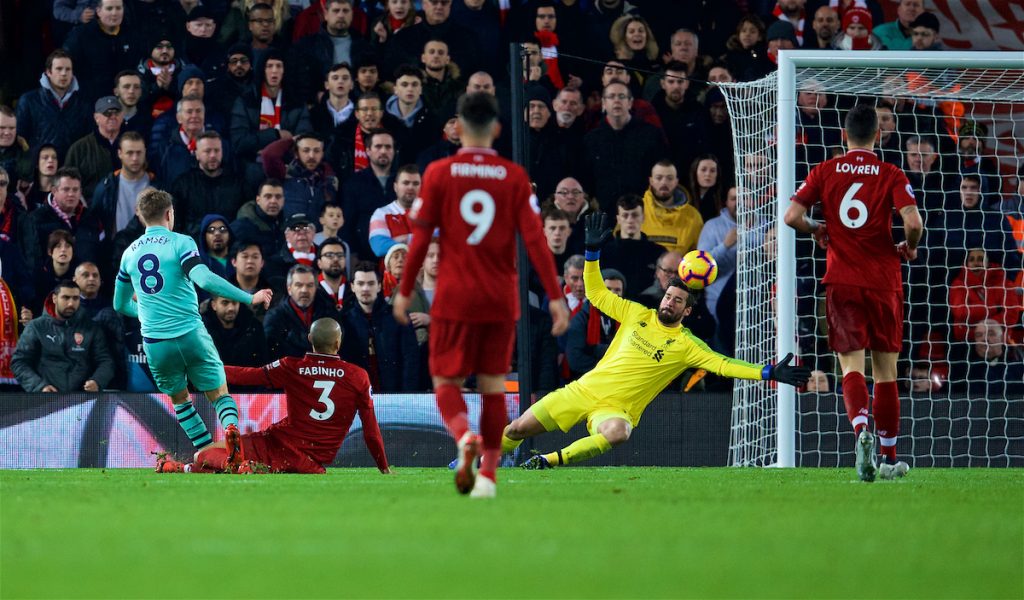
(769, 427)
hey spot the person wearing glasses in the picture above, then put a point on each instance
(214, 244)
(234, 78)
(570, 197)
(620, 152)
(298, 249)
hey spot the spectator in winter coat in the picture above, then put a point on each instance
(64, 210)
(629, 251)
(233, 81)
(116, 194)
(896, 35)
(375, 341)
(57, 113)
(96, 154)
(236, 333)
(982, 291)
(261, 220)
(368, 190)
(286, 326)
(15, 157)
(335, 43)
(209, 187)
(104, 47)
(619, 154)
(63, 350)
(298, 249)
(266, 112)
(309, 182)
(138, 116)
(670, 218)
(59, 265)
(419, 127)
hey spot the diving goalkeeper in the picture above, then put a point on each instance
(650, 350)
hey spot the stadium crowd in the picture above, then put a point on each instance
(293, 137)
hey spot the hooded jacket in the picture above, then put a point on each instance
(43, 118)
(64, 354)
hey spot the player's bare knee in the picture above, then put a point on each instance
(616, 431)
(517, 429)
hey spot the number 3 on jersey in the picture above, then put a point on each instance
(852, 212)
(325, 388)
(477, 209)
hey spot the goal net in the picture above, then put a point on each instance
(954, 122)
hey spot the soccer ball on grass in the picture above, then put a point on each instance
(698, 269)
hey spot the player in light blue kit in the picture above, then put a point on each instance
(160, 269)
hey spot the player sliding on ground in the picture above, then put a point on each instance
(479, 201)
(323, 393)
(650, 349)
(863, 280)
(160, 269)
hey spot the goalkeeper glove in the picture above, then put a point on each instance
(783, 373)
(597, 231)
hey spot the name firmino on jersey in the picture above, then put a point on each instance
(857, 169)
(478, 171)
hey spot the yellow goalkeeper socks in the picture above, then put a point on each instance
(508, 445)
(580, 450)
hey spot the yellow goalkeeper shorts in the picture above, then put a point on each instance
(564, 408)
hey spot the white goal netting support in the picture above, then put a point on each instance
(954, 121)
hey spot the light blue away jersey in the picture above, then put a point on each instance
(156, 265)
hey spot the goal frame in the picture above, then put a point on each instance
(785, 262)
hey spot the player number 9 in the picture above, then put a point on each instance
(849, 204)
(477, 208)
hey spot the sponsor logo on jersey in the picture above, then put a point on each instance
(79, 338)
(910, 190)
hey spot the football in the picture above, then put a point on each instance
(698, 269)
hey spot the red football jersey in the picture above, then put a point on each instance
(858, 193)
(479, 201)
(323, 394)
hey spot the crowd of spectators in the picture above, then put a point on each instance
(293, 136)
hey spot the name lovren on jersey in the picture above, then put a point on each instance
(842, 167)
(478, 171)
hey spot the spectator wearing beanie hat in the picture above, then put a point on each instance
(924, 33)
(780, 36)
(855, 33)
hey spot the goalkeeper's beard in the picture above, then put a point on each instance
(667, 317)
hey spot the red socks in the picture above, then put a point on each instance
(453, 410)
(211, 460)
(886, 407)
(493, 419)
(855, 397)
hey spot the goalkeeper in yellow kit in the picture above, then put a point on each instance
(650, 349)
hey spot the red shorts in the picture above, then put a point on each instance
(265, 448)
(459, 348)
(861, 318)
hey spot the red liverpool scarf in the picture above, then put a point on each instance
(361, 160)
(303, 258)
(798, 26)
(549, 51)
(8, 332)
(270, 109)
(594, 326)
(190, 142)
(340, 296)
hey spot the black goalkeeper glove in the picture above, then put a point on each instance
(783, 373)
(597, 230)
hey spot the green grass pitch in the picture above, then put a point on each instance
(571, 533)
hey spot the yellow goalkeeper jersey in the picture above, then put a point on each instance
(645, 355)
